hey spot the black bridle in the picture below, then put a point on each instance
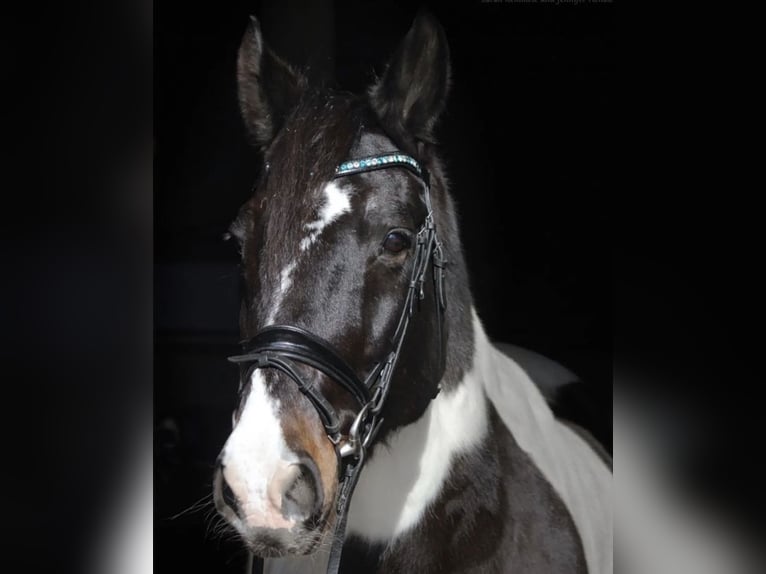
(281, 346)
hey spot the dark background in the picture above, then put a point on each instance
(527, 138)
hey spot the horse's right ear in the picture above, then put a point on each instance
(268, 87)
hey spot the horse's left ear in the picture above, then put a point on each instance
(412, 93)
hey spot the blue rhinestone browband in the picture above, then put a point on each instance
(377, 161)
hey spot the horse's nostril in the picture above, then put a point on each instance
(303, 497)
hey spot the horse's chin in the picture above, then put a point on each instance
(283, 543)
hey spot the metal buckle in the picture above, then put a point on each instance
(353, 445)
(362, 431)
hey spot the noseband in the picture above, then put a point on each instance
(280, 347)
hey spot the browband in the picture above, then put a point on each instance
(375, 162)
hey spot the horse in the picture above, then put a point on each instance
(378, 428)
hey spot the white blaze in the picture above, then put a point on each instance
(285, 282)
(255, 454)
(336, 202)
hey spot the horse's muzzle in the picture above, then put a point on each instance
(280, 523)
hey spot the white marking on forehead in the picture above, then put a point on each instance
(256, 452)
(337, 202)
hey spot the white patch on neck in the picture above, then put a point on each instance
(255, 452)
(401, 480)
(337, 202)
(567, 462)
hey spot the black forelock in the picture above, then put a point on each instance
(316, 138)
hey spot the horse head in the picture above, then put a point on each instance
(330, 251)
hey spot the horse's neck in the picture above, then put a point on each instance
(405, 475)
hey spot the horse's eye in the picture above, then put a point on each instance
(396, 242)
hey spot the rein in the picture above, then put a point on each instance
(281, 346)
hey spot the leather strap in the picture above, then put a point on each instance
(278, 346)
(351, 478)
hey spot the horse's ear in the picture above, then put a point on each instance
(413, 90)
(268, 87)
